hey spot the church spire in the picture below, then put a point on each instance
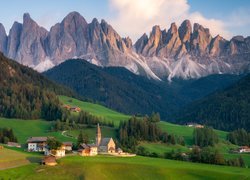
(98, 135)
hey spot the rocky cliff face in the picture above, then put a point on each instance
(3, 39)
(183, 52)
(186, 53)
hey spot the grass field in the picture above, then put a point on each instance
(96, 109)
(185, 131)
(161, 148)
(27, 128)
(12, 158)
(101, 167)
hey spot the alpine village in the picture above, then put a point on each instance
(79, 99)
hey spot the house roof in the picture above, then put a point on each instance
(87, 146)
(37, 139)
(13, 144)
(105, 141)
(49, 159)
(67, 143)
(244, 147)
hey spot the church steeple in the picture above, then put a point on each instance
(98, 135)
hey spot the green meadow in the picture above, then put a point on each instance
(103, 167)
(11, 157)
(23, 129)
(96, 109)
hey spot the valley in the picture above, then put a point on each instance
(158, 90)
(138, 165)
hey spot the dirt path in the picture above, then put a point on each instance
(65, 135)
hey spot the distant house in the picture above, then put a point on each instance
(195, 125)
(67, 146)
(13, 144)
(37, 144)
(73, 109)
(57, 153)
(87, 150)
(49, 160)
(66, 106)
(244, 149)
(119, 151)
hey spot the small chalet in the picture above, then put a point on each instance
(37, 144)
(87, 150)
(73, 109)
(49, 160)
(195, 125)
(244, 149)
(13, 144)
(67, 146)
(58, 153)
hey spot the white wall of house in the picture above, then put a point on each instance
(93, 151)
(32, 147)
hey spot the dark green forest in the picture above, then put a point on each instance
(226, 109)
(121, 90)
(26, 94)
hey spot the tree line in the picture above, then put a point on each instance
(239, 137)
(72, 121)
(7, 135)
(26, 94)
(205, 137)
(144, 129)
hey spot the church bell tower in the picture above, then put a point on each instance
(98, 135)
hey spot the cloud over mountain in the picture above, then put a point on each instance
(133, 17)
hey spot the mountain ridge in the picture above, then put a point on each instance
(122, 90)
(184, 52)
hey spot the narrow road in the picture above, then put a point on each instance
(65, 135)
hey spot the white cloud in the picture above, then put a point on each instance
(134, 17)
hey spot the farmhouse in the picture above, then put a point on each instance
(244, 149)
(105, 145)
(67, 146)
(37, 144)
(73, 109)
(55, 152)
(195, 125)
(13, 144)
(87, 150)
(49, 160)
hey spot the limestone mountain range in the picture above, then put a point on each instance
(179, 52)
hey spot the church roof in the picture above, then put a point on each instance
(105, 141)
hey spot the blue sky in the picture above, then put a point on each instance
(134, 17)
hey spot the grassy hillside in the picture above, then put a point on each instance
(185, 131)
(101, 167)
(26, 128)
(95, 109)
(11, 158)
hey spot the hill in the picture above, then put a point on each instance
(226, 109)
(102, 167)
(26, 94)
(121, 90)
(11, 158)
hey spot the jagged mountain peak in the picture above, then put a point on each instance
(75, 18)
(99, 43)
